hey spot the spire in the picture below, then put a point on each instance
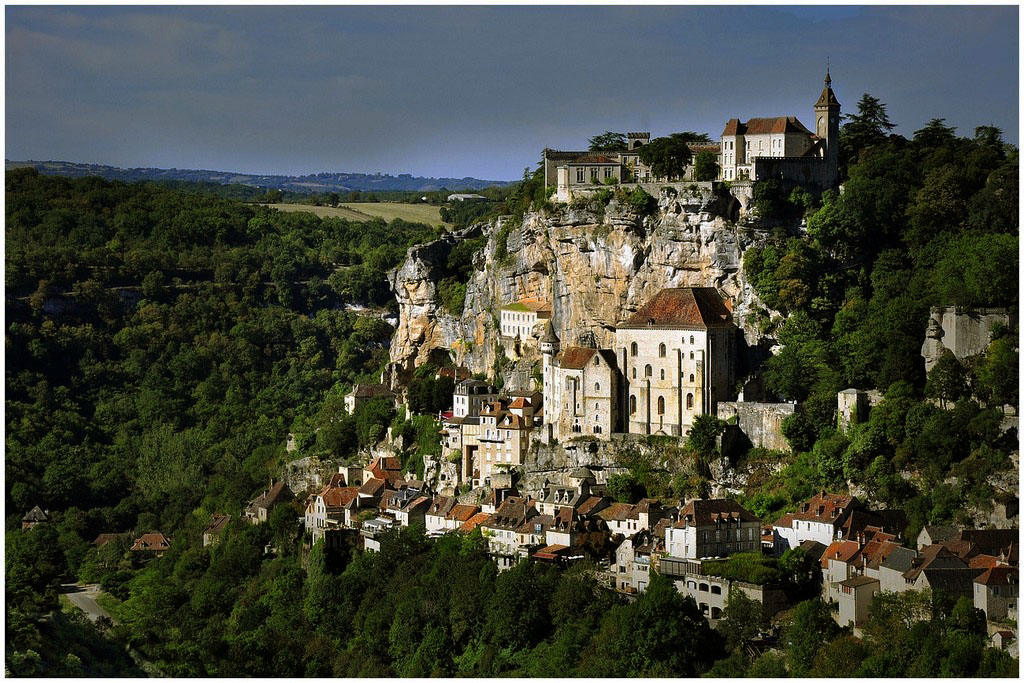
(828, 79)
(828, 98)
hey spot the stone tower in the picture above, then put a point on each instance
(550, 345)
(826, 125)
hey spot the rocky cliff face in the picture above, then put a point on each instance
(595, 268)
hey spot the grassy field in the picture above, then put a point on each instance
(416, 213)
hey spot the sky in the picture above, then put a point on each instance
(471, 90)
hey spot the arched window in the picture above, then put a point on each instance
(663, 373)
(691, 338)
(632, 349)
(689, 401)
(597, 407)
(634, 373)
(691, 377)
(661, 350)
(632, 404)
(597, 359)
(661, 405)
(691, 355)
(597, 386)
(648, 371)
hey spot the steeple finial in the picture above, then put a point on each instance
(828, 78)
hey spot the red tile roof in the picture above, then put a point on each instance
(764, 126)
(682, 307)
(152, 542)
(703, 512)
(841, 551)
(475, 521)
(998, 576)
(462, 513)
(575, 357)
(338, 496)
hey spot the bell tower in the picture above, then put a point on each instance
(826, 125)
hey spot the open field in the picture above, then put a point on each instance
(417, 213)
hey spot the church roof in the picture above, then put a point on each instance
(828, 98)
(764, 126)
(682, 307)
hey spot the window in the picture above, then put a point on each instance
(597, 386)
(716, 590)
(579, 175)
(703, 588)
(691, 355)
(689, 401)
(648, 371)
(597, 407)
(608, 173)
(634, 373)
(691, 377)
(632, 404)
(593, 174)
(597, 360)
(661, 405)
(632, 349)
(691, 338)
(663, 373)
(661, 350)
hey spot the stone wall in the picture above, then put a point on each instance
(760, 422)
(964, 332)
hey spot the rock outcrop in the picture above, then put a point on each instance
(594, 264)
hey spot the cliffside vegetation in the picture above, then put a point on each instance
(921, 222)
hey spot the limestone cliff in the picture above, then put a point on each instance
(594, 264)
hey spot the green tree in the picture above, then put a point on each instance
(705, 166)
(608, 142)
(947, 380)
(669, 156)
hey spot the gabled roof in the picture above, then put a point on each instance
(998, 576)
(371, 391)
(616, 512)
(703, 512)
(278, 493)
(592, 505)
(440, 506)
(900, 559)
(764, 126)
(814, 549)
(371, 487)
(990, 541)
(511, 514)
(152, 541)
(216, 525)
(955, 581)
(595, 159)
(474, 521)
(858, 581)
(822, 507)
(338, 496)
(536, 524)
(36, 514)
(682, 308)
(104, 539)
(575, 357)
(840, 551)
(462, 513)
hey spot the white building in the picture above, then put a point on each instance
(713, 528)
(520, 319)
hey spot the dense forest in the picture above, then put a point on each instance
(162, 343)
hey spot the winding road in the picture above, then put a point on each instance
(84, 598)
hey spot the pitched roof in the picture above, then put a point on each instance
(216, 525)
(827, 97)
(371, 487)
(938, 534)
(858, 581)
(840, 551)
(616, 512)
(278, 493)
(703, 512)
(900, 559)
(682, 307)
(814, 549)
(990, 541)
(998, 576)
(529, 304)
(592, 505)
(371, 391)
(338, 496)
(575, 357)
(440, 506)
(474, 521)
(152, 541)
(36, 514)
(823, 507)
(104, 539)
(595, 159)
(956, 581)
(462, 513)
(764, 126)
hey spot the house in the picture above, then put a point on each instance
(519, 320)
(781, 147)
(892, 569)
(103, 539)
(931, 535)
(502, 527)
(818, 518)
(996, 593)
(854, 598)
(990, 541)
(34, 517)
(676, 359)
(436, 517)
(713, 528)
(570, 529)
(373, 530)
(386, 468)
(471, 395)
(364, 393)
(581, 390)
(503, 440)
(475, 521)
(258, 510)
(213, 530)
(154, 542)
(328, 509)
(532, 534)
(632, 567)
(1005, 640)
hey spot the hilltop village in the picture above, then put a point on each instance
(674, 359)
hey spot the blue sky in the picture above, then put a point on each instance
(471, 91)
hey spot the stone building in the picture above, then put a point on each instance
(580, 390)
(676, 356)
(713, 528)
(782, 147)
(964, 332)
(520, 318)
(503, 438)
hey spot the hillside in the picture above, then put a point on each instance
(307, 184)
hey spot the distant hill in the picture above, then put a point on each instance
(310, 184)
